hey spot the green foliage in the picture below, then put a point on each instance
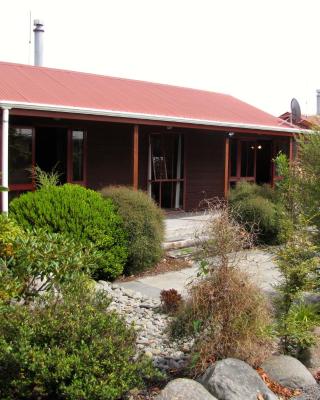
(259, 207)
(80, 213)
(245, 190)
(295, 328)
(40, 260)
(300, 185)
(68, 347)
(298, 263)
(45, 179)
(288, 188)
(144, 224)
(9, 231)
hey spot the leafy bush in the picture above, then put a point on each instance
(295, 328)
(258, 206)
(68, 347)
(43, 178)
(298, 262)
(9, 231)
(80, 213)
(143, 222)
(40, 260)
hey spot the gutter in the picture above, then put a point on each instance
(142, 116)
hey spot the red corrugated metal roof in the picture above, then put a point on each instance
(30, 84)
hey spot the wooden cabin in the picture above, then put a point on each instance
(181, 145)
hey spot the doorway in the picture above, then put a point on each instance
(251, 161)
(263, 161)
(166, 170)
(51, 146)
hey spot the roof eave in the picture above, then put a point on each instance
(141, 116)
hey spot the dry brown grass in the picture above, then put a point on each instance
(228, 315)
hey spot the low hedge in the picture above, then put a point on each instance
(81, 213)
(144, 224)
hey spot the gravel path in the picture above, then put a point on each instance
(150, 323)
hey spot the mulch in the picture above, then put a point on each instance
(167, 264)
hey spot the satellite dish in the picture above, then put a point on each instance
(295, 111)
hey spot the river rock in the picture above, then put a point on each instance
(184, 389)
(232, 379)
(288, 371)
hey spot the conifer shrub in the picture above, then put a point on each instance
(259, 206)
(68, 347)
(144, 224)
(81, 214)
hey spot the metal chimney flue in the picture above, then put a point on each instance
(318, 101)
(38, 42)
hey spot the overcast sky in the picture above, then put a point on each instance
(262, 51)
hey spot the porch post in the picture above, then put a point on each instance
(149, 167)
(291, 149)
(178, 185)
(136, 157)
(5, 158)
(226, 167)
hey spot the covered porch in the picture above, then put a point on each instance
(178, 165)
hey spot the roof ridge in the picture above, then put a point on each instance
(116, 78)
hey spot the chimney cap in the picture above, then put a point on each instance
(37, 22)
(318, 92)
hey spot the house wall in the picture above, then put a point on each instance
(109, 155)
(204, 167)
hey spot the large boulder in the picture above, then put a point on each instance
(232, 379)
(183, 389)
(288, 371)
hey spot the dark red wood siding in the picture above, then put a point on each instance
(204, 167)
(109, 155)
(143, 158)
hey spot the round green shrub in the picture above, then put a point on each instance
(81, 213)
(259, 208)
(260, 213)
(144, 224)
(68, 348)
(244, 190)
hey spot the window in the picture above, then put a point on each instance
(20, 156)
(77, 156)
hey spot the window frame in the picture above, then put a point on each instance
(19, 187)
(70, 179)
